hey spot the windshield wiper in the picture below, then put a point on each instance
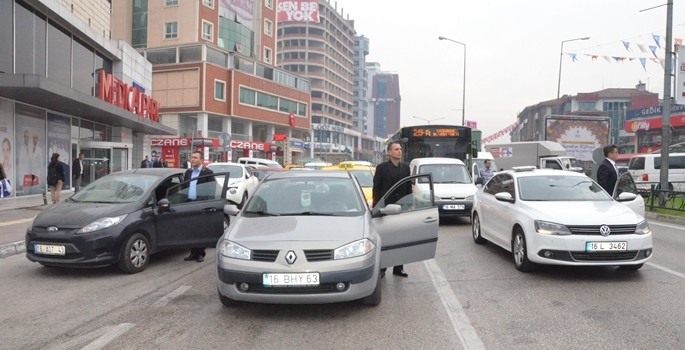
(310, 213)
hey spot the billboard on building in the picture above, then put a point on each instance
(298, 11)
(680, 77)
(580, 136)
(241, 11)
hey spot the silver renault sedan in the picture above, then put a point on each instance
(310, 238)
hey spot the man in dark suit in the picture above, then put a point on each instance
(146, 163)
(77, 172)
(607, 173)
(196, 169)
(387, 175)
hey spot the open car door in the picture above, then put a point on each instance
(407, 220)
(186, 222)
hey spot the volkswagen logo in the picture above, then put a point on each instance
(290, 257)
(52, 229)
(604, 230)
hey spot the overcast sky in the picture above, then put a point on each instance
(512, 56)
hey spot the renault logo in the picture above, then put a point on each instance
(290, 257)
(604, 230)
(52, 229)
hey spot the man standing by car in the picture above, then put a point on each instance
(77, 172)
(387, 175)
(607, 173)
(486, 174)
(196, 169)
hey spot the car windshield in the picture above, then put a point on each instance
(560, 188)
(446, 173)
(305, 196)
(236, 171)
(116, 188)
(364, 177)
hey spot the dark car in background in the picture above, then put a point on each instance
(125, 217)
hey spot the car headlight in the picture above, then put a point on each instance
(469, 198)
(233, 250)
(233, 190)
(642, 228)
(101, 224)
(550, 228)
(354, 249)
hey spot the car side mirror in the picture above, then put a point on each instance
(391, 209)
(163, 205)
(504, 197)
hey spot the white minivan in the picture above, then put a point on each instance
(260, 161)
(454, 188)
(645, 169)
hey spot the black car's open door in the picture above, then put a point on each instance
(185, 219)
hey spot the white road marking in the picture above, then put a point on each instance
(108, 337)
(460, 322)
(677, 227)
(102, 336)
(167, 298)
(667, 270)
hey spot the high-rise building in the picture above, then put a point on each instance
(385, 101)
(320, 46)
(215, 78)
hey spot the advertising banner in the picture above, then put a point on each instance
(7, 139)
(680, 77)
(31, 159)
(579, 136)
(298, 11)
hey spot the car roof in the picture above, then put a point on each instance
(227, 163)
(526, 171)
(436, 160)
(152, 171)
(308, 174)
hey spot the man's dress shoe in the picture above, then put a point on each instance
(400, 273)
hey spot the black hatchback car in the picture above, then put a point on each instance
(125, 217)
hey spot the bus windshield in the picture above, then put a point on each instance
(420, 141)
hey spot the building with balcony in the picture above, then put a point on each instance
(215, 78)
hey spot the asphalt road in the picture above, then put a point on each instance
(468, 297)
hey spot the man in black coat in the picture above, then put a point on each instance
(607, 172)
(196, 169)
(146, 163)
(77, 172)
(387, 175)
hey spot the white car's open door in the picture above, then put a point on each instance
(407, 220)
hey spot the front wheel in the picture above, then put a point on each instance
(135, 254)
(475, 229)
(519, 250)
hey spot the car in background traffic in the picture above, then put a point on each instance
(262, 173)
(241, 182)
(545, 216)
(364, 173)
(454, 187)
(309, 238)
(125, 217)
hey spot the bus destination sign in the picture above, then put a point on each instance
(435, 132)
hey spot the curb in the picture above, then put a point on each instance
(665, 218)
(11, 249)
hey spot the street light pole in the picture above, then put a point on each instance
(561, 56)
(463, 95)
(427, 120)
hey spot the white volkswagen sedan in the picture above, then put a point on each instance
(559, 217)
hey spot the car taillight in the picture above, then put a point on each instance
(645, 177)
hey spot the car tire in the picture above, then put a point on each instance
(242, 202)
(135, 254)
(226, 301)
(475, 229)
(630, 267)
(375, 298)
(519, 251)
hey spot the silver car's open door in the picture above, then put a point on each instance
(407, 220)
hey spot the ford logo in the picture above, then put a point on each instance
(604, 230)
(52, 229)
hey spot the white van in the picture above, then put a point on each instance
(260, 161)
(646, 168)
(452, 182)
